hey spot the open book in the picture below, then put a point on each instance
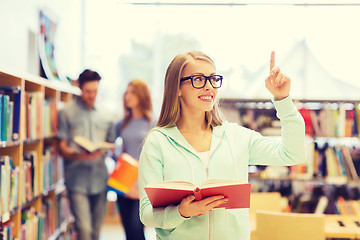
(166, 193)
(90, 146)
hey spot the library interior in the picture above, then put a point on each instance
(45, 45)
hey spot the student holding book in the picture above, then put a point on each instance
(132, 129)
(85, 172)
(192, 143)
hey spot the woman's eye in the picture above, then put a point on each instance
(197, 79)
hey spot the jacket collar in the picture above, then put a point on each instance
(81, 104)
(174, 134)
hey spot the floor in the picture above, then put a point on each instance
(114, 231)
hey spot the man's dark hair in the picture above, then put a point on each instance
(87, 76)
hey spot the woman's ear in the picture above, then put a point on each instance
(179, 93)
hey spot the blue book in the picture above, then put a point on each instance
(14, 93)
(1, 116)
(5, 111)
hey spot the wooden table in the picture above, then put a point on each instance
(336, 226)
(341, 226)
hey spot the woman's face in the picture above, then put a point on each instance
(202, 99)
(130, 98)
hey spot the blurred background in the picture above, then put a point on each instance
(316, 43)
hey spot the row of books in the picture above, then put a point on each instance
(348, 207)
(41, 116)
(7, 231)
(9, 185)
(314, 197)
(41, 175)
(321, 119)
(63, 210)
(328, 199)
(334, 163)
(50, 117)
(10, 99)
(25, 180)
(45, 224)
(30, 181)
(52, 170)
(263, 120)
(332, 120)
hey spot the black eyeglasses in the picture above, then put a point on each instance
(199, 80)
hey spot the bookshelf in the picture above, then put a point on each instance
(333, 150)
(33, 199)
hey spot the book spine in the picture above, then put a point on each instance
(197, 194)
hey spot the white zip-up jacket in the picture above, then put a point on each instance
(166, 155)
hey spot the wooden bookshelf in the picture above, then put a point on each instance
(33, 196)
(332, 128)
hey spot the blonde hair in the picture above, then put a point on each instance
(170, 109)
(142, 91)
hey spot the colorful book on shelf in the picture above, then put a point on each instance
(349, 161)
(124, 175)
(32, 157)
(342, 206)
(89, 146)
(14, 187)
(162, 194)
(357, 120)
(4, 123)
(5, 180)
(305, 113)
(14, 92)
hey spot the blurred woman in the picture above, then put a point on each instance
(132, 129)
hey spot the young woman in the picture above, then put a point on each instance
(132, 129)
(192, 143)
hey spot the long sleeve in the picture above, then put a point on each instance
(287, 150)
(150, 170)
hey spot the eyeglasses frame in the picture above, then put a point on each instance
(207, 78)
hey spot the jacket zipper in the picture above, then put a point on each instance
(209, 234)
(209, 230)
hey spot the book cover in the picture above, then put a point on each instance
(2, 113)
(166, 193)
(89, 146)
(125, 174)
(4, 121)
(349, 161)
(14, 92)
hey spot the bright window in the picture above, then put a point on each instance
(317, 46)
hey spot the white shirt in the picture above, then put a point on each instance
(204, 156)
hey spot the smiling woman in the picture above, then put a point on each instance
(190, 135)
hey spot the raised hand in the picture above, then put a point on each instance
(188, 207)
(277, 82)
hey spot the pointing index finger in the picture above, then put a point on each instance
(272, 60)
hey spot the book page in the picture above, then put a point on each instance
(85, 143)
(219, 182)
(172, 185)
(90, 146)
(104, 145)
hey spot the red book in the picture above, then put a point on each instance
(166, 193)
